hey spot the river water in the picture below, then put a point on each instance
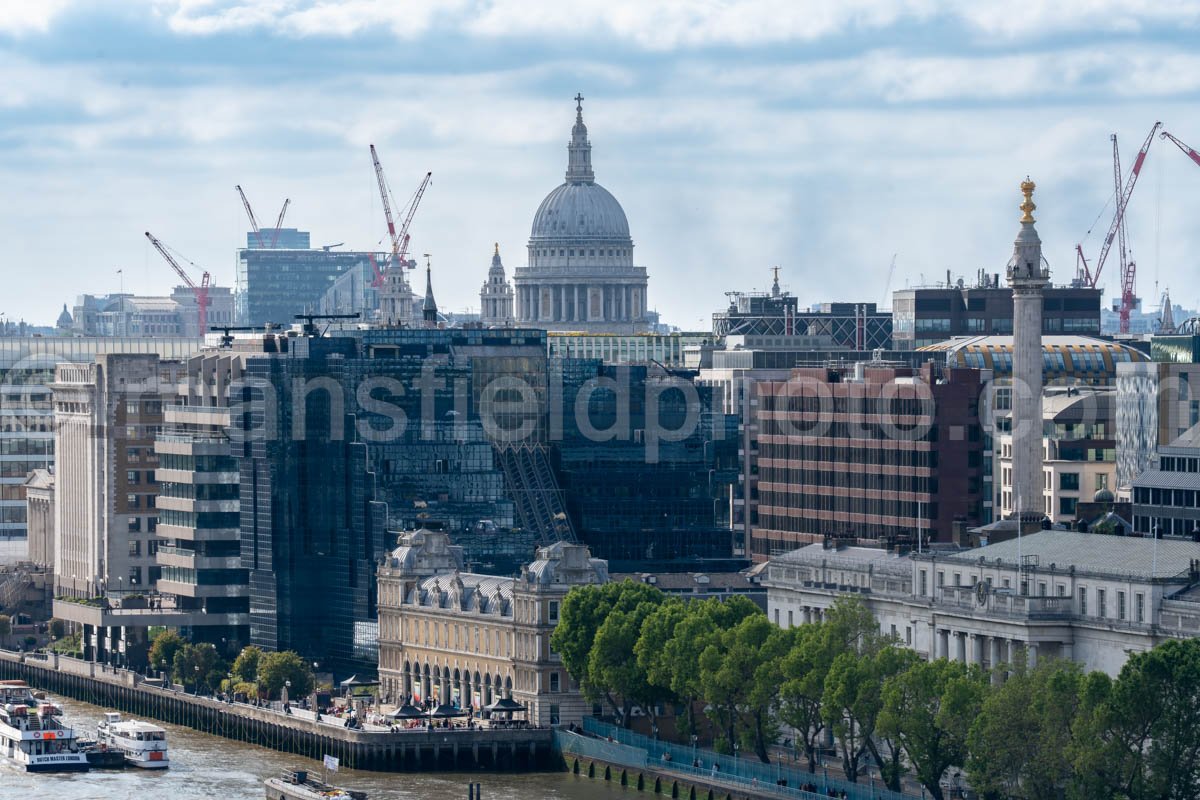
(211, 768)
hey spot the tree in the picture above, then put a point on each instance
(1020, 743)
(1147, 740)
(198, 665)
(276, 669)
(163, 649)
(5, 627)
(612, 671)
(853, 699)
(58, 628)
(928, 709)
(584, 610)
(675, 634)
(739, 680)
(245, 666)
(802, 685)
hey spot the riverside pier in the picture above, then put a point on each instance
(421, 750)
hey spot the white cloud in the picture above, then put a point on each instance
(673, 24)
(29, 16)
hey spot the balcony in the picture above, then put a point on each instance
(1004, 603)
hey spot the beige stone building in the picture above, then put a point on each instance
(465, 639)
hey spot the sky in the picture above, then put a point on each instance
(823, 136)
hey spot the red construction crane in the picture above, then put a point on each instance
(1189, 152)
(413, 202)
(1116, 231)
(201, 291)
(398, 238)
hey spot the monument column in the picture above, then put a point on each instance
(1028, 278)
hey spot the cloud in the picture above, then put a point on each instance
(664, 25)
(29, 16)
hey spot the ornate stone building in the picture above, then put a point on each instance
(581, 275)
(496, 296)
(465, 639)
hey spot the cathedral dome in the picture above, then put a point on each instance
(578, 211)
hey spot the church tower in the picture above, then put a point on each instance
(496, 296)
(581, 275)
(429, 312)
(1028, 277)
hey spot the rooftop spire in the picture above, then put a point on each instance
(579, 151)
(429, 309)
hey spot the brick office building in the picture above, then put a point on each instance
(868, 451)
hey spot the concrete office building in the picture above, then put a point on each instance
(930, 314)
(453, 637)
(776, 316)
(1092, 598)
(1078, 453)
(39, 502)
(127, 315)
(1166, 497)
(581, 275)
(26, 413)
(106, 417)
(199, 526)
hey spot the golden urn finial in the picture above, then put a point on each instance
(497, 248)
(1027, 207)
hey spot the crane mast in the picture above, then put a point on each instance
(402, 253)
(199, 291)
(1187, 151)
(250, 213)
(383, 196)
(279, 222)
(1084, 273)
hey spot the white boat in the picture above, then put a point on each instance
(32, 736)
(143, 743)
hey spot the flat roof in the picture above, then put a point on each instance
(1090, 552)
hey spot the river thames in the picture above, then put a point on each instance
(213, 768)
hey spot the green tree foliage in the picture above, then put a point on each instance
(1020, 744)
(198, 666)
(613, 671)
(58, 628)
(5, 627)
(1139, 738)
(672, 638)
(584, 611)
(928, 710)
(739, 674)
(853, 700)
(163, 649)
(275, 669)
(245, 666)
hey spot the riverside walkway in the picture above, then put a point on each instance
(373, 748)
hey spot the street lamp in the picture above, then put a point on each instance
(197, 669)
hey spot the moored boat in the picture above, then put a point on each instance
(297, 784)
(143, 744)
(32, 735)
